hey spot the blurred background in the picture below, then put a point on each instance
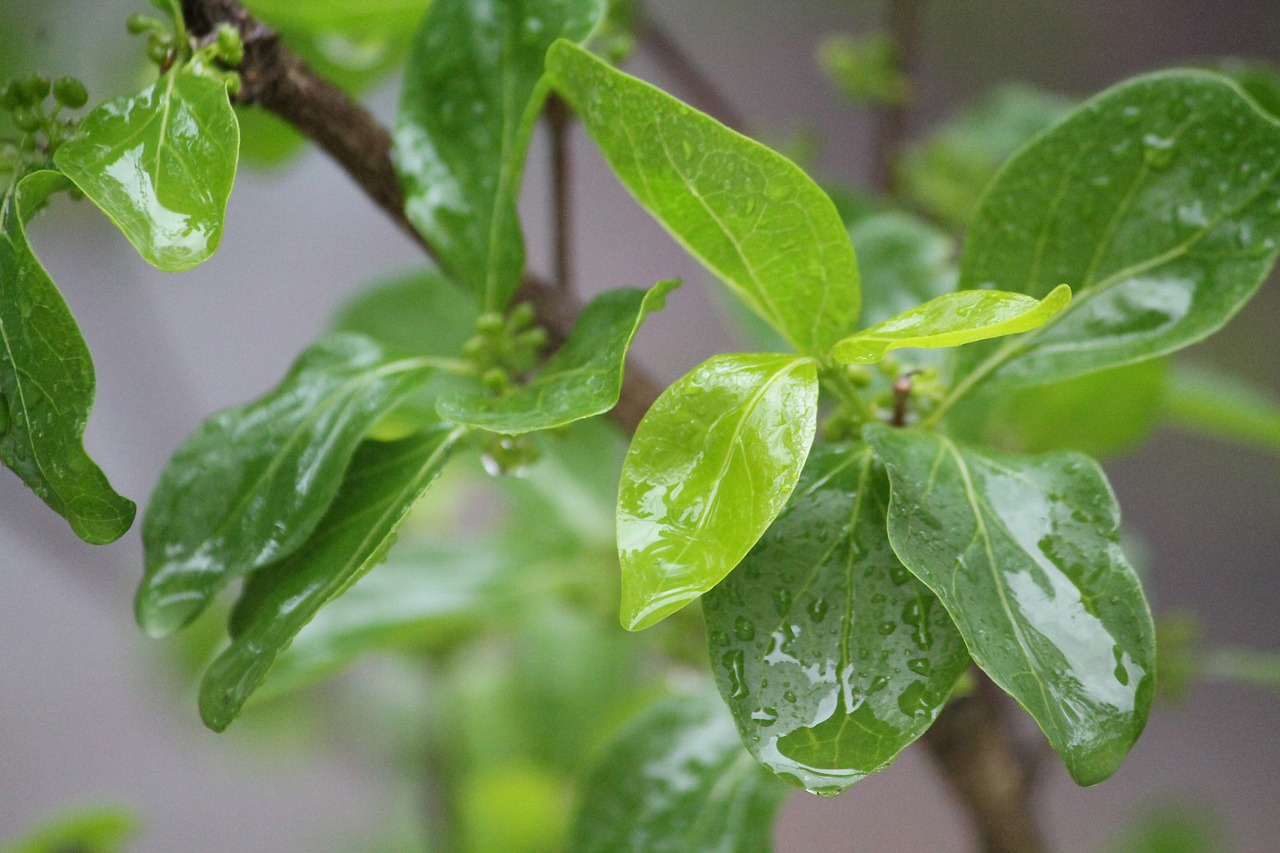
(91, 711)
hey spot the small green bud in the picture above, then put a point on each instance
(489, 323)
(230, 45)
(522, 316)
(858, 375)
(139, 23)
(495, 380)
(34, 88)
(70, 92)
(26, 119)
(532, 339)
(158, 50)
(11, 96)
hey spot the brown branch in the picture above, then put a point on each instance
(276, 79)
(891, 119)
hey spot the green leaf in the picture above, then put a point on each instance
(951, 320)
(791, 632)
(47, 381)
(904, 262)
(676, 780)
(251, 484)
(1186, 827)
(711, 465)
(1158, 201)
(96, 830)
(342, 16)
(1244, 666)
(1260, 81)
(584, 378)
(160, 164)
(752, 216)
(1024, 553)
(382, 484)
(864, 68)
(474, 86)
(1212, 403)
(417, 313)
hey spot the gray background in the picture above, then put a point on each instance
(89, 710)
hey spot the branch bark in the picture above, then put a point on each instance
(891, 121)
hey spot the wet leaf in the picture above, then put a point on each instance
(382, 483)
(830, 654)
(584, 378)
(474, 86)
(676, 780)
(904, 262)
(251, 484)
(160, 164)
(1024, 553)
(47, 381)
(709, 468)
(752, 216)
(1157, 201)
(1216, 404)
(951, 320)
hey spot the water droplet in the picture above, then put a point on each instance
(920, 666)
(744, 630)
(734, 664)
(880, 683)
(818, 609)
(887, 628)
(1158, 151)
(790, 696)
(782, 600)
(765, 716)
(899, 575)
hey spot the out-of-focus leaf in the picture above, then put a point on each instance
(752, 216)
(864, 68)
(1245, 666)
(677, 780)
(709, 468)
(98, 830)
(1024, 553)
(160, 164)
(474, 86)
(1211, 403)
(46, 379)
(514, 808)
(382, 484)
(905, 262)
(1180, 828)
(584, 378)
(251, 484)
(830, 655)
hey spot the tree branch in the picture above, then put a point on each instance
(276, 79)
(891, 123)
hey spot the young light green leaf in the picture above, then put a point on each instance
(1211, 403)
(382, 484)
(790, 632)
(1024, 553)
(864, 68)
(752, 216)
(1089, 203)
(91, 830)
(584, 378)
(951, 320)
(676, 780)
(904, 263)
(161, 164)
(46, 379)
(474, 86)
(710, 467)
(251, 484)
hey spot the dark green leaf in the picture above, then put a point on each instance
(1212, 403)
(831, 656)
(382, 484)
(161, 164)
(473, 88)
(1158, 201)
(250, 485)
(46, 380)
(951, 320)
(674, 781)
(584, 378)
(99, 830)
(1024, 553)
(752, 216)
(904, 262)
(709, 468)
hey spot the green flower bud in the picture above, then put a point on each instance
(521, 316)
(489, 323)
(495, 380)
(139, 23)
(34, 88)
(70, 92)
(230, 45)
(11, 96)
(26, 119)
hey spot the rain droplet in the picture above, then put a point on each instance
(744, 630)
(887, 628)
(1158, 151)
(765, 716)
(733, 663)
(818, 609)
(782, 600)
(920, 666)
(790, 696)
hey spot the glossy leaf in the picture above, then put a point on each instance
(1211, 403)
(382, 484)
(473, 88)
(904, 262)
(709, 468)
(1158, 201)
(676, 780)
(1024, 553)
(47, 381)
(251, 484)
(951, 320)
(584, 378)
(830, 654)
(160, 164)
(752, 216)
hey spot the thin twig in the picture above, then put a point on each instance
(891, 122)
(559, 121)
(702, 90)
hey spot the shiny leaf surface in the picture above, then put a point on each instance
(161, 164)
(1211, 403)
(1024, 553)
(752, 216)
(904, 263)
(1158, 201)
(830, 654)
(676, 780)
(47, 381)
(249, 486)
(951, 320)
(473, 87)
(584, 378)
(710, 466)
(382, 484)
